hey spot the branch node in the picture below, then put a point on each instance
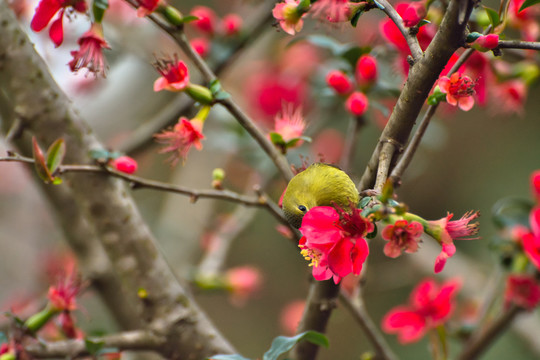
(397, 145)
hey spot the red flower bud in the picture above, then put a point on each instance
(339, 81)
(207, 19)
(414, 13)
(232, 23)
(357, 103)
(366, 69)
(486, 42)
(124, 164)
(201, 46)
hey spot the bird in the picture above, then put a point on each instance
(319, 185)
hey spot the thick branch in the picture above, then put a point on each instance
(104, 202)
(131, 340)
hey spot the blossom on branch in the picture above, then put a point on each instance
(333, 11)
(174, 75)
(46, 10)
(334, 241)
(402, 235)
(414, 13)
(366, 70)
(459, 90)
(289, 128)
(430, 306)
(522, 290)
(357, 103)
(445, 231)
(146, 7)
(289, 16)
(90, 53)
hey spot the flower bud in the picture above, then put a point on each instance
(357, 103)
(207, 19)
(200, 93)
(232, 23)
(414, 13)
(366, 70)
(218, 175)
(339, 81)
(124, 164)
(486, 42)
(201, 46)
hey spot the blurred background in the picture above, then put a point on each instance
(467, 161)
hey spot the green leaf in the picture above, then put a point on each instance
(423, 22)
(356, 17)
(364, 202)
(227, 357)
(215, 86)
(277, 139)
(493, 16)
(55, 155)
(98, 8)
(93, 346)
(57, 180)
(40, 163)
(528, 3)
(222, 95)
(436, 98)
(326, 42)
(282, 344)
(471, 37)
(509, 212)
(189, 18)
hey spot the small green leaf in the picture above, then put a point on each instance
(277, 139)
(222, 95)
(364, 202)
(189, 18)
(423, 22)
(493, 16)
(282, 344)
(57, 180)
(528, 3)
(436, 98)
(227, 357)
(215, 86)
(356, 17)
(93, 346)
(55, 155)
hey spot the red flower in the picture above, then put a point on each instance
(207, 19)
(339, 81)
(401, 235)
(366, 69)
(90, 54)
(45, 11)
(124, 164)
(357, 103)
(232, 23)
(181, 138)
(430, 305)
(174, 75)
(414, 12)
(334, 242)
(288, 16)
(459, 90)
(331, 10)
(146, 7)
(201, 46)
(446, 231)
(531, 240)
(62, 296)
(535, 184)
(522, 290)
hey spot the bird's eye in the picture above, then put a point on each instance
(302, 208)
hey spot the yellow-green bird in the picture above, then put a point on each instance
(319, 185)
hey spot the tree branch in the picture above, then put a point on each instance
(518, 44)
(130, 340)
(105, 204)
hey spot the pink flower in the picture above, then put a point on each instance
(357, 103)
(414, 12)
(124, 164)
(201, 46)
(90, 54)
(181, 138)
(333, 11)
(401, 235)
(232, 24)
(446, 231)
(146, 7)
(174, 75)
(366, 70)
(243, 282)
(339, 81)
(334, 242)
(531, 240)
(290, 125)
(430, 305)
(522, 290)
(486, 42)
(207, 19)
(510, 95)
(535, 184)
(524, 20)
(459, 90)
(62, 296)
(45, 11)
(288, 16)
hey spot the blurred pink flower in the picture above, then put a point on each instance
(288, 16)
(522, 290)
(207, 19)
(181, 138)
(291, 315)
(339, 81)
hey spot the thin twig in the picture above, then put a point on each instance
(138, 182)
(357, 309)
(385, 160)
(412, 41)
(518, 44)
